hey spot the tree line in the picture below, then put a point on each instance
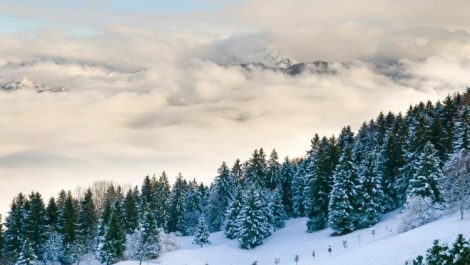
(344, 183)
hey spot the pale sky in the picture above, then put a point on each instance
(156, 85)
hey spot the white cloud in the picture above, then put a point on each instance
(141, 100)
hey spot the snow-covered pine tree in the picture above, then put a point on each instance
(370, 191)
(220, 198)
(287, 174)
(193, 208)
(149, 241)
(14, 223)
(344, 192)
(113, 245)
(389, 161)
(175, 222)
(320, 167)
(26, 255)
(252, 222)
(52, 214)
(438, 254)
(460, 251)
(87, 221)
(278, 213)
(131, 211)
(256, 168)
(273, 174)
(52, 248)
(298, 186)
(201, 235)
(162, 200)
(68, 230)
(417, 138)
(461, 138)
(231, 228)
(237, 171)
(35, 224)
(425, 181)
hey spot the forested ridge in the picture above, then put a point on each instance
(344, 183)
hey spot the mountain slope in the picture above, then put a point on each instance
(387, 247)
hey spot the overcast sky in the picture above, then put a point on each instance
(156, 85)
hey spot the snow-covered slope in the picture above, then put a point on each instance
(386, 247)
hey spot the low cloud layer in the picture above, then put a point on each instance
(140, 99)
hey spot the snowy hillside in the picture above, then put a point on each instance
(387, 247)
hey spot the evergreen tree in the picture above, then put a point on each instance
(114, 242)
(52, 214)
(278, 214)
(193, 208)
(162, 201)
(273, 174)
(27, 256)
(149, 242)
(221, 196)
(460, 251)
(371, 192)
(320, 174)
(252, 222)
(427, 176)
(68, 230)
(343, 195)
(176, 222)
(437, 255)
(231, 228)
(14, 224)
(52, 248)
(237, 172)
(35, 224)
(287, 175)
(131, 211)
(87, 221)
(298, 186)
(256, 168)
(201, 236)
(462, 130)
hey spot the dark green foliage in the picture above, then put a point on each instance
(131, 211)
(458, 254)
(221, 196)
(35, 228)
(176, 222)
(14, 224)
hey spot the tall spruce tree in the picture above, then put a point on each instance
(344, 192)
(52, 214)
(201, 236)
(278, 213)
(462, 130)
(176, 222)
(287, 175)
(371, 192)
(131, 211)
(231, 220)
(221, 196)
(320, 168)
(14, 223)
(273, 174)
(298, 186)
(162, 201)
(193, 208)
(87, 221)
(252, 222)
(426, 178)
(149, 243)
(114, 242)
(256, 168)
(35, 224)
